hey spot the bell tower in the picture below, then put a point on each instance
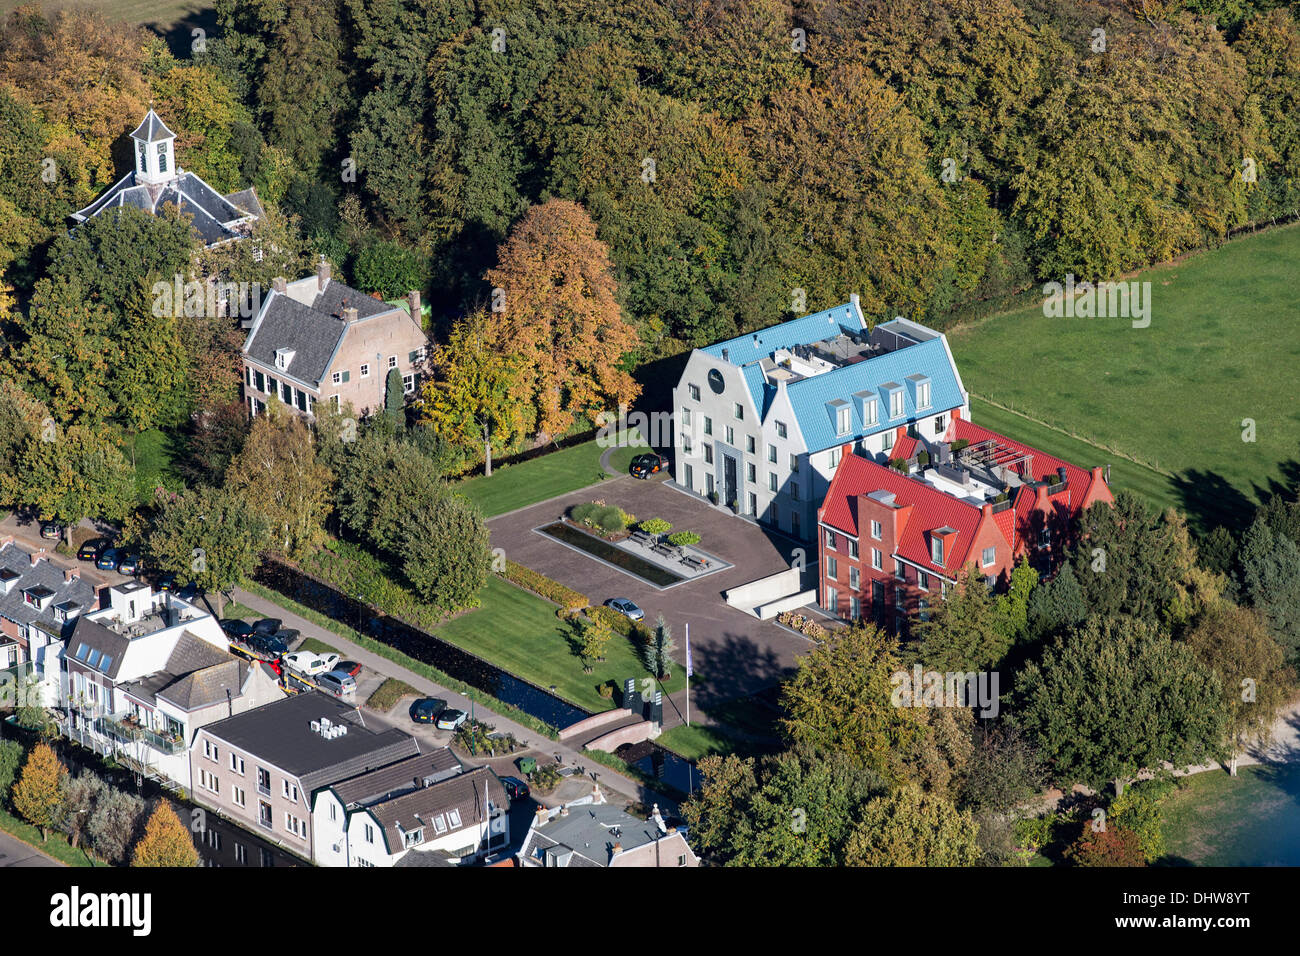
(154, 158)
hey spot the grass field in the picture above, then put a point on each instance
(1248, 820)
(520, 633)
(161, 14)
(527, 483)
(153, 452)
(1223, 338)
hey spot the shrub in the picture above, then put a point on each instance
(553, 591)
(583, 513)
(545, 778)
(632, 630)
(683, 538)
(610, 518)
(898, 464)
(476, 737)
(656, 526)
(1035, 832)
(923, 458)
(959, 444)
(1113, 846)
(606, 690)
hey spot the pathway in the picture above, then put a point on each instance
(14, 852)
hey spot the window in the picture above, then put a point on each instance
(739, 411)
(237, 796)
(832, 569)
(286, 393)
(900, 570)
(771, 481)
(843, 420)
(259, 381)
(794, 463)
(895, 403)
(877, 530)
(749, 444)
(771, 454)
(264, 815)
(731, 435)
(408, 384)
(237, 764)
(263, 781)
(241, 854)
(834, 457)
(416, 356)
(289, 790)
(365, 370)
(301, 398)
(686, 418)
(209, 781)
(336, 402)
(210, 750)
(694, 391)
(989, 556)
(413, 838)
(370, 833)
(940, 423)
(282, 358)
(922, 394)
(686, 444)
(440, 823)
(922, 580)
(855, 580)
(392, 361)
(453, 818)
(832, 601)
(936, 550)
(337, 378)
(753, 503)
(681, 859)
(708, 484)
(708, 454)
(780, 429)
(295, 826)
(855, 608)
(708, 425)
(751, 472)
(877, 559)
(830, 539)
(690, 478)
(870, 412)
(162, 157)
(888, 442)
(923, 609)
(853, 548)
(794, 491)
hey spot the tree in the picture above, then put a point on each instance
(660, 648)
(394, 397)
(1004, 770)
(911, 828)
(113, 822)
(965, 632)
(39, 793)
(1269, 582)
(1056, 606)
(1111, 846)
(593, 639)
(1011, 608)
(561, 316)
(21, 420)
(207, 536)
(1125, 560)
(166, 842)
(80, 794)
(75, 472)
(389, 269)
(445, 552)
(1236, 644)
(278, 474)
(1138, 809)
(839, 701)
(11, 759)
(1116, 696)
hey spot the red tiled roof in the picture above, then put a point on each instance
(905, 447)
(931, 509)
(1043, 463)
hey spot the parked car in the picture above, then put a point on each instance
(516, 789)
(626, 608)
(267, 645)
(236, 629)
(427, 709)
(289, 636)
(167, 582)
(310, 662)
(130, 563)
(643, 466)
(188, 592)
(351, 668)
(90, 550)
(53, 530)
(108, 559)
(339, 685)
(267, 625)
(450, 719)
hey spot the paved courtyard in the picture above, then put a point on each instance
(734, 653)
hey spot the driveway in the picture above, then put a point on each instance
(734, 654)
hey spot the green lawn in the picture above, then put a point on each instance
(519, 632)
(1219, 349)
(56, 846)
(153, 452)
(527, 483)
(159, 13)
(313, 646)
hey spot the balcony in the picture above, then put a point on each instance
(126, 729)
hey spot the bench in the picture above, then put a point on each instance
(666, 550)
(698, 563)
(640, 536)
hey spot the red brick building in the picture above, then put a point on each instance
(891, 544)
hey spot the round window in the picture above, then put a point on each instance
(716, 381)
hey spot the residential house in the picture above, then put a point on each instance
(457, 820)
(595, 834)
(318, 340)
(40, 602)
(263, 768)
(892, 543)
(144, 673)
(761, 420)
(157, 181)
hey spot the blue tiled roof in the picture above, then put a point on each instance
(810, 395)
(802, 331)
(759, 390)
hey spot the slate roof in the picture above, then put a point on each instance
(397, 778)
(313, 332)
(280, 734)
(45, 574)
(590, 832)
(111, 646)
(214, 215)
(152, 129)
(464, 793)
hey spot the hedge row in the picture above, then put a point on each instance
(632, 630)
(554, 591)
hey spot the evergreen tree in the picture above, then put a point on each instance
(1270, 583)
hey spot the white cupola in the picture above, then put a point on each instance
(154, 160)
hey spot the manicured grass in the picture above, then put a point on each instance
(700, 741)
(1215, 819)
(1174, 394)
(154, 452)
(527, 483)
(388, 693)
(56, 846)
(234, 609)
(519, 632)
(159, 13)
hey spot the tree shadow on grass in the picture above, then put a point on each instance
(1209, 501)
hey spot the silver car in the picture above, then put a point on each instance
(626, 608)
(337, 684)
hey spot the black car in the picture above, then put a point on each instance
(268, 626)
(516, 789)
(167, 582)
(188, 592)
(427, 709)
(52, 529)
(89, 551)
(287, 635)
(267, 645)
(236, 629)
(643, 466)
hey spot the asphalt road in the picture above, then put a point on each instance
(14, 852)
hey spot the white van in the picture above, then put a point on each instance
(310, 663)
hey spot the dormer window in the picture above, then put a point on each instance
(936, 550)
(413, 837)
(841, 415)
(939, 543)
(869, 408)
(896, 403)
(920, 390)
(282, 358)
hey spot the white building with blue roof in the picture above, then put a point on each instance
(760, 420)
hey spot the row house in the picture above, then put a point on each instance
(40, 602)
(146, 672)
(317, 340)
(893, 540)
(762, 420)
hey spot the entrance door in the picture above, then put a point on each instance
(729, 480)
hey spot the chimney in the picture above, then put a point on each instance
(322, 273)
(855, 302)
(726, 354)
(986, 510)
(349, 316)
(1096, 473)
(1061, 472)
(1040, 496)
(71, 574)
(542, 815)
(564, 810)
(6, 541)
(413, 303)
(279, 285)
(37, 555)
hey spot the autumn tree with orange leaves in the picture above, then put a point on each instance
(559, 315)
